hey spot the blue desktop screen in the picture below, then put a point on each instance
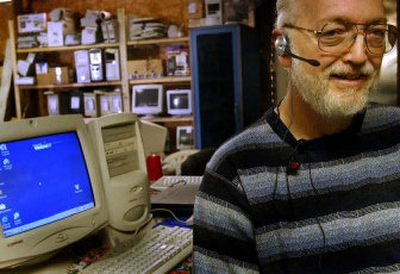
(42, 180)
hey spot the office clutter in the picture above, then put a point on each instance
(87, 57)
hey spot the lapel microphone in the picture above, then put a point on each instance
(282, 48)
(292, 167)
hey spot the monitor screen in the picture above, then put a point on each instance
(54, 186)
(179, 102)
(147, 99)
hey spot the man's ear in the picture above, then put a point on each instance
(284, 59)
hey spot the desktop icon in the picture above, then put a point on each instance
(1, 192)
(3, 147)
(4, 220)
(16, 215)
(2, 207)
(6, 162)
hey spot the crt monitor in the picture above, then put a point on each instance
(179, 102)
(50, 189)
(147, 99)
(119, 147)
(184, 137)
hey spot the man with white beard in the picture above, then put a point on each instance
(314, 185)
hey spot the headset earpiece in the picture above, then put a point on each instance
(282, 46)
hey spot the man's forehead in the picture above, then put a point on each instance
(357, 11)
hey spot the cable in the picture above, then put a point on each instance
(187, 222)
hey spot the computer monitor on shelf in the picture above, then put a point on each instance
(50, 190)
(179, 102)
(184, 137)
(147, 99)
(119, 147)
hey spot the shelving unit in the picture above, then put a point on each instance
(27, 96)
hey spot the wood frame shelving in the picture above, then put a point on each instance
(125, 83)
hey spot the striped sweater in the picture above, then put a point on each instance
(340, 212)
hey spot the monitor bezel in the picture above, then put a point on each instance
(148, 110)
(186, 111)
(49, 238)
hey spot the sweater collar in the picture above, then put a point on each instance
(335, 139)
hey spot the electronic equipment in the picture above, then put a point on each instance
(96, 65)
(214, 9)
(184, 137)
(170, 181)
(111, 58)
(159, 251)
(82, 66)
(147, 99)
(55, 197)
(91, 108)
(282, 48)
(35, 22)
(76, 104)
(179, 102)
(57, 103)
(119, 147)
(154, 138)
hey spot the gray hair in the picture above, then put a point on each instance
(284, 10)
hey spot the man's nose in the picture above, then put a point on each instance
(357, 52)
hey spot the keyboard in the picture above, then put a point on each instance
(159, 251)
(170, 181)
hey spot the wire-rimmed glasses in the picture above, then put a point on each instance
(338, 37)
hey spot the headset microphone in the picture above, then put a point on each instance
(282, 48)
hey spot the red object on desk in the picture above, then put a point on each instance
(153, 163)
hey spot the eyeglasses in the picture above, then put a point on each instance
(338, 37)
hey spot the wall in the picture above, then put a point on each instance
(6, 13)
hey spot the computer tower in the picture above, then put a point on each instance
(226, 81)
(82, 66)
(96, 65)
(111, 58)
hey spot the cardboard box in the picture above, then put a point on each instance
(137, 67)
(44, 79)
(32, 22)
(155, 66)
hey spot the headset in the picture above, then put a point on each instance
(282, 48)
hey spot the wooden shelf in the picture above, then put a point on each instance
(162, 80)
(170, 119)
(68, 48)
(159, 41)
(71, 85)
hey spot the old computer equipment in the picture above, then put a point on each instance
(111, 58)
(96, 65)
(82, 66)
(91, 108)
(57, 102)
(154, 138)
(213, 9)
(119, 148)
(147, 99)
(184, 137)
(179, 102)
(50, 189)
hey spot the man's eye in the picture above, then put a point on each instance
(333, 33)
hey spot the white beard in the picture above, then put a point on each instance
(314, 90)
